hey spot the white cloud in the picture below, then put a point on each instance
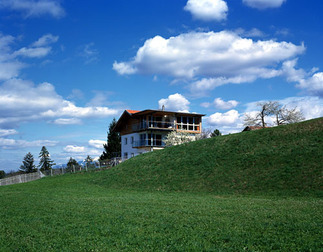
(37, 52)
(6, 143)
(175, 102)
(224, 119)
(74, 149)
(7, 132)
(22, 101)
(220, 104)
(210, 58)
(10, 64)
(311, 82)
(207, 10)
(225, 105)
(314, 84)
(67, 121)
(34, 8)
(97, 143)
(124, 68)
(45, 40)
(263, 4)
(81, 152)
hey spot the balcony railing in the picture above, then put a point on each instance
(148, 143)
(153, 125)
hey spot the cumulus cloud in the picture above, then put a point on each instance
(97, 143)
(311, 82)
(207, 10)
(314, 84)
(224, 119)
(16, 105)
(74, 149)
(32, 8)
(175, 102)
(263, 4)
(220, 104)
(81, 152)
(210, 58)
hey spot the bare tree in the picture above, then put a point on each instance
(266, 109)
(281, 113)
(284, 115)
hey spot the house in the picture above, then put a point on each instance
(144, 131)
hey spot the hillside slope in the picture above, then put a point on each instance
(286, 159)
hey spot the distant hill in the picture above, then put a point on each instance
(280, 160)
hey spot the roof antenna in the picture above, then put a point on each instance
(163, 108)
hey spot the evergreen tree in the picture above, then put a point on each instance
(28, 164)
(216, 133)
(113, 146)
(89, 161)
(2, 174)
(72, 165)
(45, 162)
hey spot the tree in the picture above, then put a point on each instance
(266, 109)
(2, 174)
(113, 146)
(175, 138)
(279, 113)
(89, 162)
(72, 165)
(216, 133)
(28, 164)
(204, 134)
(45, 162)
(284, 115)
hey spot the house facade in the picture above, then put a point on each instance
(145, 131)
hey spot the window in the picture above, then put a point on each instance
(126, 141)
(125, 155)
(132, 140)
(132, 154)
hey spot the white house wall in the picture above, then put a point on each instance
(127, 147)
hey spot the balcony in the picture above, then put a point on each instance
(148, 143)
(153, 125)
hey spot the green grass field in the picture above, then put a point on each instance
(254, 191)
(68, 213)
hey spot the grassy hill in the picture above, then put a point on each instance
(280, 160)
(160, 201)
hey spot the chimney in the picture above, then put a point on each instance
(163, 108)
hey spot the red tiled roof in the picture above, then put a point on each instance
(132, 111)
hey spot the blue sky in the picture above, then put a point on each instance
(67, 68)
